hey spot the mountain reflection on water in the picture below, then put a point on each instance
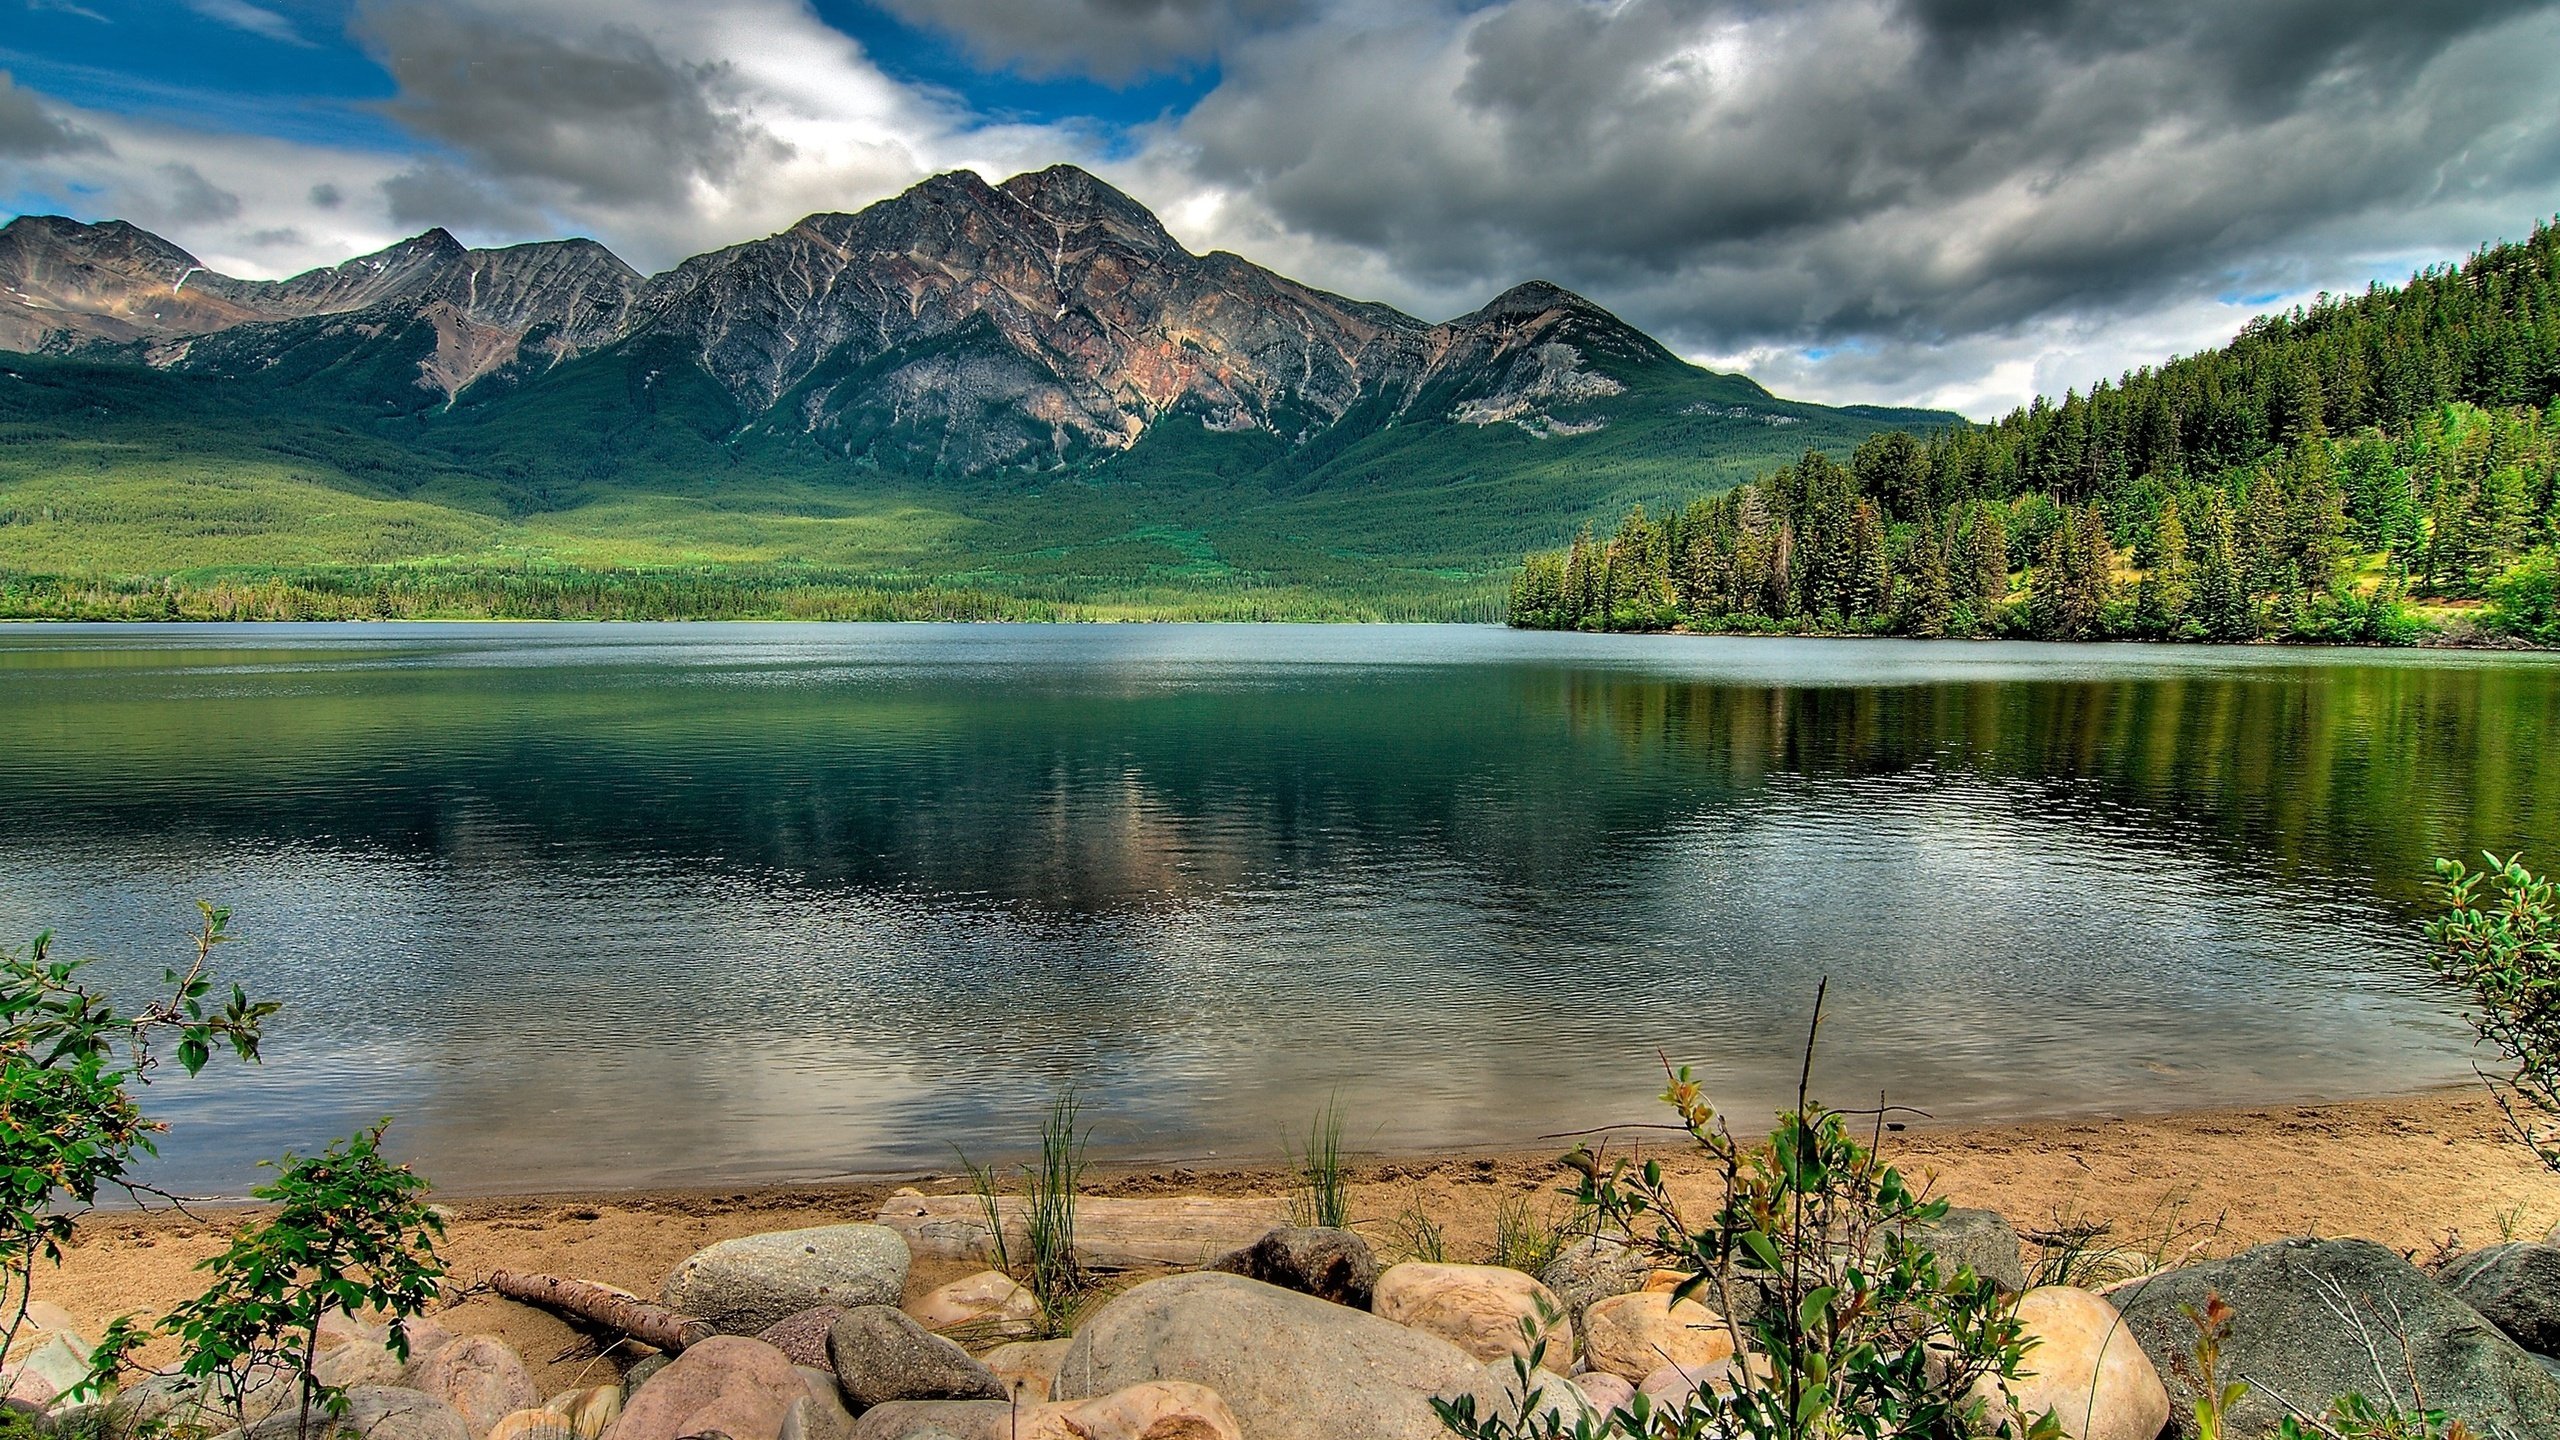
(628, 904)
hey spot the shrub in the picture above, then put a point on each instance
(2498, 940)
(1861, 1328)
(71, 1064)
(351, 1233)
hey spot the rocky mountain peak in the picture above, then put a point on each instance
(1069, 197)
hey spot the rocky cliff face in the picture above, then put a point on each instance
(961, 325)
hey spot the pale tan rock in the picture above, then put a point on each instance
(1028, 1368)
(1632, 1336)
(1478, 1308)
(1605, 1391)
(1156, 1410)
(2087, 1368)
(478, 1377)
(592, 1411)
(988, 1300)
(532, 1425)
(1142, 1234)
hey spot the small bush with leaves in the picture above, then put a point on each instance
(2498, 940)
(351, 1233)
(1857, 1328)
(71, 1064)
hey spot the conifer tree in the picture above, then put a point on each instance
(2168, 585)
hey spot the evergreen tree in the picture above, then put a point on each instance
(2222, 604)
(2168, 585)
(1928, 599)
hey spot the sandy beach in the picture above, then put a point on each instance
(2415, 1172)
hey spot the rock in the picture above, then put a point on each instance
(989, 1301)
(1158, 1410)
(589, 1412)
(1605, 1391)
(2309, 1318)
(533, 1425)
(642, 1369)
(747, 1284)
(880, 1354)
(1027, 1367)
(803, 1336)
(1290, 1366)
(937, 1420)
(50, 1318)
(1329, 1264)
(374, 1412)
(1179, 1233)
(2087, 1368)
(825, 1416)
(2516, 1288)
(1594, 1268)
(1982, 1239)
(1478, 1308)
(478, 1377)
(742, 1388)
(1497, 1393)
(50, 1369)
(1632, 1336)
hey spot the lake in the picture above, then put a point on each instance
(618, 905)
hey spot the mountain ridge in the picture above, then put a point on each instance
(1024, 386)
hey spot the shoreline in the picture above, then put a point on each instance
(2415, 1172)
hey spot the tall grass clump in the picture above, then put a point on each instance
(1046, 1263)
(1320, 1181)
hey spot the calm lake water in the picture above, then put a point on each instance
(688, 904)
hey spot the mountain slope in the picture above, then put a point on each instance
(1029, 386)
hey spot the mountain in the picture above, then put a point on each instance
(999, 365)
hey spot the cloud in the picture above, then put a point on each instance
(28, 130)
(1906, 176)
(663, 126)
(1942, 201)
(256, 19)
(1110, 40)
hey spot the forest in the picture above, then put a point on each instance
(2378, 468)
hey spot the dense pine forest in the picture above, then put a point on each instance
(2378, 468)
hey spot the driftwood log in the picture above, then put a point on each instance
(653, 1325)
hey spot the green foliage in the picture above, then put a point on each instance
(2416, 425)
(1861, 1328)
(1320, 1181)
(351, 1233)
(1528, 1239)
(2498, 941)
(1413, 1235)
(71, 1064)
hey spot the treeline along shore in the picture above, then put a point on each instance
(2370, 469)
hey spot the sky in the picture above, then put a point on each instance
(1957, 203)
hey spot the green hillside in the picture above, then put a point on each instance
(629, 484)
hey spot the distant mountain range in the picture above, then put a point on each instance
(938, 370)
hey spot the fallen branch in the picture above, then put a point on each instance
(603, 1305)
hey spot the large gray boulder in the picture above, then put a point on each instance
(1595, 1267)
(2516, 1288)
(374, 1412)
(881, 1354)
(478, 1377)
(750, 1283)
(1329, 1264)
(2316, 1319)
(1290, 1366)
(1983, 1239)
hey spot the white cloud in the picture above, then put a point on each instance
(256, 19)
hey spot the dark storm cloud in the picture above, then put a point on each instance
(1110, 40)
(595, 116)
(1741, 174)
(192, 199)
(29, 131)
